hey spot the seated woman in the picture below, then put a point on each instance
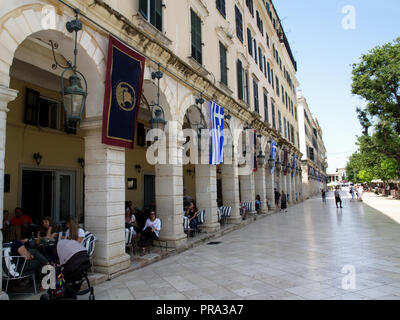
(150, 231)
(258, 203)
(74, 232)
(48, 231)
(191, 213)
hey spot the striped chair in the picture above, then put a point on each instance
(250, 208)
(224, 213)
(186, 225)
(89, 242)
(201, 216)
(129, 239)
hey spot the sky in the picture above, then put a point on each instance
(325, 50)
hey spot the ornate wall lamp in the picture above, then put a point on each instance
(81, 161)
(157, 112)
(38, 158)
(138, 168)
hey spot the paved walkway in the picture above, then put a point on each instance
(295, 255)
(386, 205)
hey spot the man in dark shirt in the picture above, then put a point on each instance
(34, 259)
(277, 198)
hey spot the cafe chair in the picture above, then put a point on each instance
(12, 270)
(89, 242)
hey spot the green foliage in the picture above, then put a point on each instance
(376, 78)
(364, 176)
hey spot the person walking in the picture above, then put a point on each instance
(352, 193)
(360, 193)
(277, 198)
(283, 201)
(338, 198)
(323, 193)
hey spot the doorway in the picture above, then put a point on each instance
(149, 190)
(48, 193)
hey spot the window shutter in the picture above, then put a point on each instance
(256, 104)
(240, 79)
(249, 42)
(239, 24)
(141, 135)
(196, 37)
(255, 49)
(266, 116)
(158, 14)
(143, 8)
(32, 101)
(224, 74)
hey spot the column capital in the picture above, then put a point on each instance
(92, 124)
(6, 95)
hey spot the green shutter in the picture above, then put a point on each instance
(143, 8)
(196, 37)
(158, 15)
(266, 108)
(240, 79)
(249, 42)
(32, 101)
(223, 63)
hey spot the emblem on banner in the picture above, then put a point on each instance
(126, 96)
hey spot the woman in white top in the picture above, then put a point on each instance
(150, 231)
(74, 232)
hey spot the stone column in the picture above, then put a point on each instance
(169, 190)
(105, 199)
(270, 185)
(6, 95)
(260, 187)
(206, 195)
(289, 187)
(247, 188)
(293, 182)
(230, 190)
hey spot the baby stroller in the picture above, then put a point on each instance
(70, 278)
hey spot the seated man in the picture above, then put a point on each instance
(34, 259)
(23, 221)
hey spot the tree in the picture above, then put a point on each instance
(376, 78)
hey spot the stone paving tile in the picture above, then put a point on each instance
(294, 256)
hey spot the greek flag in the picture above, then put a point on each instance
(295, 165)
(273, 155)
(217, 134)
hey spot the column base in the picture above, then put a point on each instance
(234, 220)
(211, 228)
(175, 243)
(115, 265)
(3, 296)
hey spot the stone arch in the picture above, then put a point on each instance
(24, 21)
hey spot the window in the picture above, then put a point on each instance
(221, 7)
(256, 98)
(196, 37)
(266, 118)
(239, 24)
(44, 112)
(280, 121)
(277, 86)
(260, 58)
(151, 10)
(292, 132)
(266, 34)
(265, 66)
(295, 113)
(272, 78)
(285, 126)
(246, 86)
(283, 94)
(249, 4)
(273, 115)
(240, 81)
(223, 64)
(269, 72)
(255, 50)
(260, 24)
(249, 42)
